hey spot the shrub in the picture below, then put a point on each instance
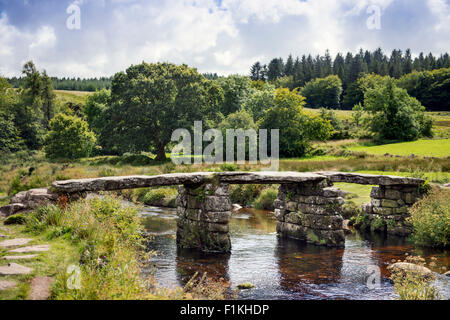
(69, 137)
(266, 198)
(245, 194)
(430, 219)
(16, 219)
(161, 197)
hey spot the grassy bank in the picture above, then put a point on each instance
(104, 241)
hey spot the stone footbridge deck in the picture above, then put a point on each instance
(308, 207)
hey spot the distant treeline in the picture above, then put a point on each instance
(349, 67)
(73, 84)
(78, 84)
(297, 72)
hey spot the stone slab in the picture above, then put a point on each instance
(13, 269)
(14, 242)
(370, 179)
(24, 257)
(131, 182)
(7, 284)
(38, 248)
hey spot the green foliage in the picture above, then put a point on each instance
(430, 219)
(297, 129)
(431, 88)
(245, 194)
(161, 197)
(96, 105)
(259, 101)
(323, 92)
(266, 198)
(235, 90)
(355, 92)
(69, 137)
(150, 101)
(393, 115)
(16, 219)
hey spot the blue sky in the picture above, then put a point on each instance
(223, 36)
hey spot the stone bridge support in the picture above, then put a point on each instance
(310, 212)
(389, 208)
(204, 213)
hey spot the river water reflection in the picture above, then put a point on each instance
(280, 268)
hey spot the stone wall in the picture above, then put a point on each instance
(389, 208)
(310, 212)
(204, 213)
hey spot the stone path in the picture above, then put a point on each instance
(14, 242)
(40, 286)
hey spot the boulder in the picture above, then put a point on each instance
(407, 267)
(11, 209)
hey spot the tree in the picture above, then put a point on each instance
(47, 98)
(256, 71)
(275, 69)
(259, 101)
(324, 92)
(431, 88)
(235, 89)
(297, 129)
(151, 100)
(355, 92)
(96, 106)
(69, 137)
(9, 135)
(394, 115)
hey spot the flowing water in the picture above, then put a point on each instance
(282, 268)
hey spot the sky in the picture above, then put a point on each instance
(222, 36)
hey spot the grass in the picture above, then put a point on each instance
(430, 148)
(359, 194)
(104, 240)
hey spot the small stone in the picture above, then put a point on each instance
(38, 248)
(377, 193)
(14, 242)
(6, 284)
(447, 274)
(392, 194)
(291, 206)
(246, 285)
(389, 203)
(375, 202)
(14, 268)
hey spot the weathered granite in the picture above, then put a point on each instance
(197, 178)
(370, 179)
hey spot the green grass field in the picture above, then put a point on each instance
(430, 148)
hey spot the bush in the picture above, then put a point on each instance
(324, 92)
(69, 137)
(16, 219)
(245, 194)
(394, 115)
(161, 197)
(265, 199)
(430, 219)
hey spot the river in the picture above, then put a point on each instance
(282, 268)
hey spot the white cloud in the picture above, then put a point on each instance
(225, 39)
